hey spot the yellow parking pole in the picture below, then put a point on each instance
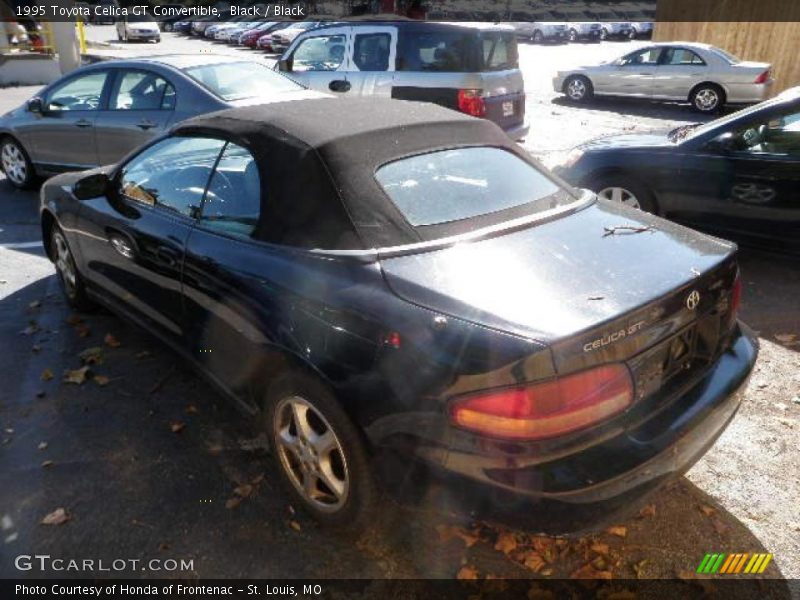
(81, 36)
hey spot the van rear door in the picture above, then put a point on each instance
(503, 86)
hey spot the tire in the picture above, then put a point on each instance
(69, 277)
(603, 34)
(629, 191)
(16, 164)
(349, 499)
(707, 98)
(573, 36)
(537, 37)
(578, 89)
(167, 27)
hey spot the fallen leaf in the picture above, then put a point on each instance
(506, 543)
(77, 376)
(638, 568)
(258, 479)
(648, 511)
(177, 426)
(143, 354)
(190, 409)
(233, 502)
(36, 348)
(720, 527)
(532, 560)
(546, 572)
(243, 490)
(448, 532)
(589, 572)
(600, 548)
(294, 525)
(101, 380)
(618, 530)
(707, 510)
(35, 304)
(545, 546)
(92, 356)
(83, 331)
(467, 573)
(47, 375)
(30, 329)
(538, 593)
(47, 463)
(42, 446)
(111, 341)
(786, 338)
(215, 449)
(163, 546)
(58, 517)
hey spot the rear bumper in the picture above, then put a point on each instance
(518, 132)
(750, 93)
(574, 491)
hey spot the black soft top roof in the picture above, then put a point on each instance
(317, 159)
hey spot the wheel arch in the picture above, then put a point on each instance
(47, 221)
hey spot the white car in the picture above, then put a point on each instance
(138, 29)
(541, 31)
(704, 75)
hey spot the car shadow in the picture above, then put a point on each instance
(770, 292)
(148, 460)
(674, 111)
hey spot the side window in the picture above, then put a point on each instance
(371, 51)
(440, 51)
(140, 90)
(648, 57)
(172, 174)
(778, 135)
(681, 56)
(233, 200)
(323, 53)
(79, 93)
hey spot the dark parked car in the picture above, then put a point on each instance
(373, 276)
(99, 113)
(738, 176)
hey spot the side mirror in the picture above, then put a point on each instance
(36, 105)
(285, 65)
(723, 143)
(91, 186)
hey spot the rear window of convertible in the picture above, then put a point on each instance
(452, 185)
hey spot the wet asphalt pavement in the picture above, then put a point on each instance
(148, 465)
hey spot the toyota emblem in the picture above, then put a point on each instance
(692, 300)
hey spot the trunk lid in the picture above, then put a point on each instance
(591, 295)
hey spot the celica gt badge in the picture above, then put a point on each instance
(614, 336)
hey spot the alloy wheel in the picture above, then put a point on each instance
(15, 165)
(311, 454)
(706, 99)
(618, 194)
(576, 89)
(573, 35)
(65, 265)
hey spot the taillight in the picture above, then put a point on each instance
(471, 102)
(547, 409)
(736, 295)
(764, 77)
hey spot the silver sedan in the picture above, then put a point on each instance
(99, 113)
(704, 75)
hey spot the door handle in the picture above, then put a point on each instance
(339, 85)
(144, 124)
(83, 123)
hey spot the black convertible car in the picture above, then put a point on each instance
(377, 277)
(738, 176)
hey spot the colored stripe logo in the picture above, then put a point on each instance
(733, 564)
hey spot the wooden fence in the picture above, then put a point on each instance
(747, 33)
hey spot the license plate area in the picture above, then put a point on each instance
(508, 108)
